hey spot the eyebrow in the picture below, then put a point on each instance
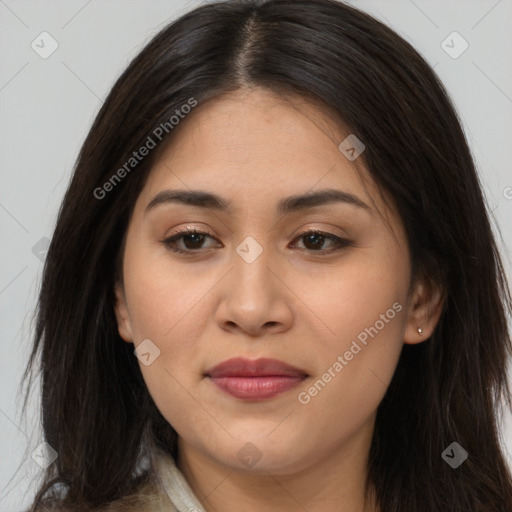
(287, 205)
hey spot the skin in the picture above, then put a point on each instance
(254, 148)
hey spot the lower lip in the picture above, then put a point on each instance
(256, 388)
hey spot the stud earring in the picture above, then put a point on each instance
(420, 331)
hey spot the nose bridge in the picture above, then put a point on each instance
(251, 262)
(252, 283)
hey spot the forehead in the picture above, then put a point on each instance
(254, 147)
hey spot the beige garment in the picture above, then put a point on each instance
(173, 484)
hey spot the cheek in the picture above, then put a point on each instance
(161, 298)
(166, 308)
(347, 299)
(363, 313)
(352, 380)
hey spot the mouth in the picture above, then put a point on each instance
(255, 380)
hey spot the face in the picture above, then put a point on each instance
(322, 287)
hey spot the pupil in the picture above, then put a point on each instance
(313, 236)
(198, 240)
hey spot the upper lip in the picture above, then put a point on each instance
(240, 367)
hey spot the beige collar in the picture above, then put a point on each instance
(174, 484)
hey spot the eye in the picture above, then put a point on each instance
(316, 239)
(193, 240)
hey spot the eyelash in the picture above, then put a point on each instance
(342, 242)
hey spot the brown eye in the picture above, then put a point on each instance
(191, 238)
(315, 240)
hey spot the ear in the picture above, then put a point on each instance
(122, 315)
(425, 308)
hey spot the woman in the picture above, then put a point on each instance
(273, 284)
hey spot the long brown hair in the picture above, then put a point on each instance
(96, 410)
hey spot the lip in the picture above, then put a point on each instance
(257, 379)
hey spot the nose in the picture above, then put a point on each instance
(255, 299)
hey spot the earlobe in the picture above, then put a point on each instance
(424, 312)
(122, 315)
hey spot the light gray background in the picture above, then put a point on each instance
(48, 105)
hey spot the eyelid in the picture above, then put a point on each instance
(191, 229)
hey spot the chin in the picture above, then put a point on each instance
(257, 454)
